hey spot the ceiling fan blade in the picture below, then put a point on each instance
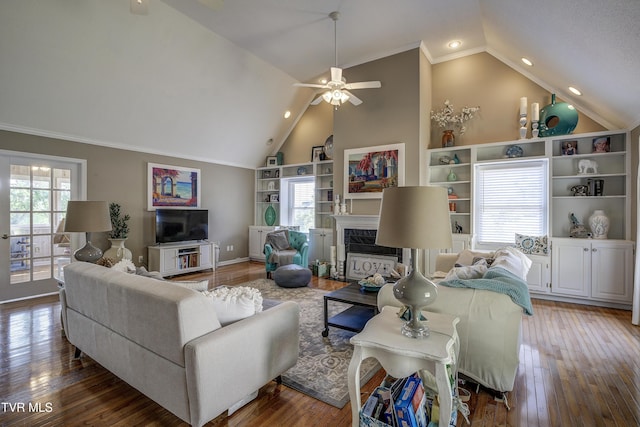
(352, 98)
(363, 85)
(317, 86)
(317, 101)
(336, 74)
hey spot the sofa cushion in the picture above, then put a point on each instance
(512, 260)
(467, 272)
(467, 257)
(279, 240)
(233, 303)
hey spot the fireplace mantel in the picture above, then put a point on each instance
(364, 222)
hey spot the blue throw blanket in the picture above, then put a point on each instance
(499, 280)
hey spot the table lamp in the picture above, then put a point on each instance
(415, 218)
(87, 216)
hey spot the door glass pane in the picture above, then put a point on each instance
(60, 199)
(20, 223)
(20, 176)
(20, 199)
(41, 177)
(62, 179)
(41, 201)
(42, 223)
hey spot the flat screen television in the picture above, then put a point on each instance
(181, 225)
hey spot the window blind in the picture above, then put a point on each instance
(510, 198)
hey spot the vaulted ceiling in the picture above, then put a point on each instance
(210, 79)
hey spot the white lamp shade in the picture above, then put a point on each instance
(87, 216)
(414, 217)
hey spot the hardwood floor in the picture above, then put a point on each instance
(579, 366)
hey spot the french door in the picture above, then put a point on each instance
(34, 191)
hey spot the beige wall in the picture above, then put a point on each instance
(121, 176)
(313, 128)
(400, 110)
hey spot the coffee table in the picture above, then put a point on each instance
(364, 305)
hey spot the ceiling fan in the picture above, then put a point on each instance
(337, 89)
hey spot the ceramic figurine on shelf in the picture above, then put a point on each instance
(458, 228)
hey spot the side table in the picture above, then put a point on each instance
(401, 356)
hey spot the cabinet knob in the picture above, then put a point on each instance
(586, 249)
(594, 250)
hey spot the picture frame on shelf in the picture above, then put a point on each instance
(317, 153)
(369, 170)
(272, 161)
(569, 148)
(172, 187)
(266, 174)
(601, 145)
(274, 198)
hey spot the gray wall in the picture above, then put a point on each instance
(121, 176)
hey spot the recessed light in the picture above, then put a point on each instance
(454, 44)
(323, 81)
(527, 61)
(287, 114)
(575, 91)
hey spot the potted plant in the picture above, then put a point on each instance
(448, 121)
(118, 234)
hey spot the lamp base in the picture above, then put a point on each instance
(417, 292)
(88, 253)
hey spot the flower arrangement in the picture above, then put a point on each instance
(445, 118)
(119, 226)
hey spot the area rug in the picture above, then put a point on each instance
(321, 371)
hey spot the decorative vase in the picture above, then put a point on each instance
(557, 118)
(599, 223)
(452, 176)
(117, 251)
(270, 216)
(448, 138)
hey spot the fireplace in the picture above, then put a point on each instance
(357, 234)
(363, 241)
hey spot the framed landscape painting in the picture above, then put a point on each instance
(368, 171)
(173, 187)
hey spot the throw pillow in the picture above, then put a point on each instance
(467, 272)
(466, 257)
(233, 303)
(512, 260)
(279, 240)
(532, 245)
(125, 265)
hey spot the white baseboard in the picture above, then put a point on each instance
(233, 261)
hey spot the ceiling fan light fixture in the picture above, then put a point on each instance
(327, 96)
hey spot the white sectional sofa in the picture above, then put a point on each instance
(166, 341)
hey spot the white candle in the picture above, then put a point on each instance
(333, 255)
(341, 252)
(523, 106)
(535, 111)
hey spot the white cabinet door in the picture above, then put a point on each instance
(612, 270)
(257, 237)
(169, 263)
(206, 255)
(539, 274)
(571, 267)
(320, 241)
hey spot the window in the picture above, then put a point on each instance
(298, 203)
(510, 198)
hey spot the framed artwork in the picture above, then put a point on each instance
(172, 187)
(602, 145)
(274, 198)
(569, 148)
(361, 266)
(317, 153)
(272, 161)
(367, 171)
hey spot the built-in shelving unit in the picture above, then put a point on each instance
(573, 271)
(268, 187)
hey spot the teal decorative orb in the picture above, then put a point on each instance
(270, 216)
(557, 118)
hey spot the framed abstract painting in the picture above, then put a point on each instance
(368, 171)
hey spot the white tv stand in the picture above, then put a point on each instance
(181, 258)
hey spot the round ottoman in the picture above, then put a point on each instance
(292, 276)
